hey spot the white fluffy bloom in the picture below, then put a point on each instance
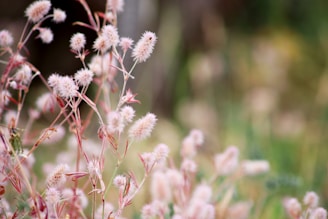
(59, 15)
(46, 35)
(67, 88)
(83, 77)
(143, 127)
(77, 42)
(144, 47)
(6, 38)
(24, 74)
(37, 10)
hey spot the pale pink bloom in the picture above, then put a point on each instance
(160, 187)
(54, 135)
(6, 39)
(111, 35)
(115, 123)
(108, 209)
(148, 212)
(239, 210)
(148, 160)
(59, 15)
(318, 213)
(52, 196)
(175, 178)
(188, 166)
(197, 136)
(67, 88)
(24, 74)
(116, 5)
(143, 127)
(10, 117)
(144, 47)
(46, 102)
(127, 113)
(54, 81)
(255, 167)
(4, 97)
(102, 65)
(126, 43)
(57, 177)
(293, 207)
(94, 168)
(37, 10)
(83, 77)
(46, 35)
(120, 182)
(101, 44)
(161, 152)
(311, 199)
(82, 199)
(202, 192)
(226, 162)
(77, 42)
(200, 210)
(188, 149)
(18, 58)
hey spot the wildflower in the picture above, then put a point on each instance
(57, 177)
(37, 10)
(77, 42)
(255, 167)
(144, 47)
(4, 97)
(202, 192)
(54, 81)
(24, 74)
(148, 212)
(126, 43)
(83, 77)
(175, 178)
(120, 182)
(115, 5)
(101, 44)
(160, 187)
(161, 152)
(46, 35)
(108, 209)
(67, 88)
(6, 39)
(188, 149)
(226, 162)
(197, 136)
(293, 207)
(148, 160)
(239, 210)
(46, 102)
(52, 196)
(59, 15)
(115, 122)
(143, 127)
(127, 114)
(188, 166)
(318, 213)
(111, 35)
(311, 200)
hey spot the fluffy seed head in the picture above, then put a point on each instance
(67, 88)
(293, 207)
(120, 182)
(318, 213)
(116, 5)
(37, 10)
(311, 199)
(175, 178)
(255, 167)
(59, 15)
(197, 136)
(101, 44)
(127, 113)
(226, 162)
(24, 75)
(143, 127)
(6, 38)
(83, 77)
(115, 122)
(77, 42)
(202, 192)
(57, 177)
(111, 35)
(54, 81)
(160, 187)
(188, 149)
(188, 166)
(126, 43)
(161, 152)
(144, 47)
(148, 160)
(46, 35)
(52, 196)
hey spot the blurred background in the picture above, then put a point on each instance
(251, 73)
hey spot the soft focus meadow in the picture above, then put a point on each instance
(163, 109)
